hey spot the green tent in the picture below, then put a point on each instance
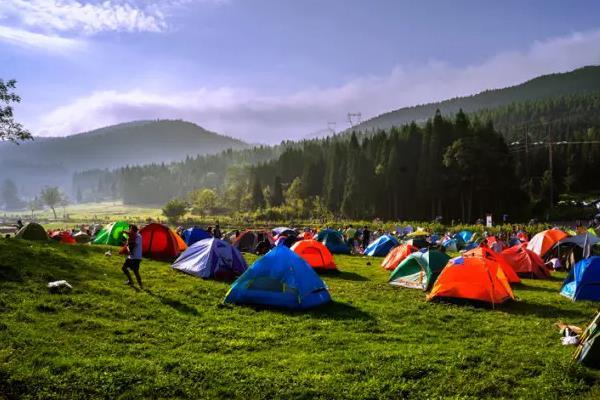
(32, 231)
(419, 270)
(113, 234)
(588, 351)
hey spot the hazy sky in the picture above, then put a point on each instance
(267, 70)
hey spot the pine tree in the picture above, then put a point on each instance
(258, 199)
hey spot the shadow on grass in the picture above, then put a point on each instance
(333, 310)
(345, 275)
(522, 286)
(175, 304)
(540, 310)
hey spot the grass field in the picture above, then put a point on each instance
(177, 340)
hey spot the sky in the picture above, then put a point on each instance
(268, 70)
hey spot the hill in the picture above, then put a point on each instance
(176, 339)
(52, 161)
(580, 81)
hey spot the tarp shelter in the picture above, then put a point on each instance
(81, 237)
(280, 279)
(583, 281)
(588, 351)
(194, 234)
(419, 270)
(334, 241)
(474, 279)
(63, 237)
(32, 231)
(159, 241)
(248, 240)
(381, 246)
(542, 242)
(583, 240)
(525, 262)
(489, 254)
(397, 255)
(113, 234)
(211, 258)
(315, 254)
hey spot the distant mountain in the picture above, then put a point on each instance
(52, 161)
(580, 81)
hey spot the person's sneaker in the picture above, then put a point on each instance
(129, 283)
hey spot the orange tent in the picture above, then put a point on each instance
(525, 261)
(158, 241)
(397, 255)
(489, 254)
(315, 254)
(542, 242)
(472, 278)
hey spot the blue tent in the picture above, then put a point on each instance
(334, 241)
(280, 279)
(192, 235)
(466, 236)
(382, 246)
(583, 281)
(211, 258)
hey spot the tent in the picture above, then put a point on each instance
(525, 262)
(282, 230)
(474, 279)
(583, 240)
(418, 242)
(465, 236)
(588, 351)
(32, 231)
(418, 233)
(583, 281)
(159, 241)
(248, 241)
(334, 241)
(542, 242)
(113, 234)
(450, 244)
(211, 258)
(315, 254)
(419, 270)
(487, 253)
(63, 237)
(397, 255)
(280, 279)
(81, 237)
(194, 234)
(381, 246)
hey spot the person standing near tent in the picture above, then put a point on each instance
(134, 256)
(366, 237)
(217, 231)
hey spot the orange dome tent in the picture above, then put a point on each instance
(472, 278)
(397, 255)
(525, 262)
(489, 254)
(158, 241)
(63, 237)
(316, 254)
(542, 242)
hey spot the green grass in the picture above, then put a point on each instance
(177, 339)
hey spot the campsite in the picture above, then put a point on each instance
(299, 199)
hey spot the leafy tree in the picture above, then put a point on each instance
(52, 197)
(204, 201)
(174, 210)
(9, 129)
(293, 195)
(34, 204)
(10, 196)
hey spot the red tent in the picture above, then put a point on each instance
(63, 237)
(158, 241)
(525, 262)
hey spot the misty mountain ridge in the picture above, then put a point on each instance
(52, 160)
(579, 81)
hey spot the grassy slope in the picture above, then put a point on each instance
(178, 340)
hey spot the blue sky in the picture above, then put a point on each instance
(267, 70)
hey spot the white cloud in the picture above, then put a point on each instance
(83, 16)
(258, 117)
(38, 41)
